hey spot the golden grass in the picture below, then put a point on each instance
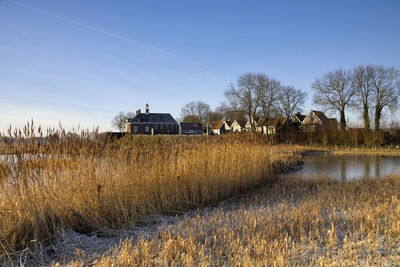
(83, 183)
(299, 222)
(387, 152)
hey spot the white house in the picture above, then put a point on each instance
(317, 119)
(270, 126)
(218, 127)
(234, 126)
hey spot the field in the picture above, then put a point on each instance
(87, 184)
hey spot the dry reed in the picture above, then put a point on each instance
(298, 222)
(85, 183)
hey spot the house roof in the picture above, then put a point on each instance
(300, 117)
(271, 121)
(314, 116)
(152, 118)
(216, 124)
(282, 120)
(321, 115)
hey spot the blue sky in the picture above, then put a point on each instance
(81, 62)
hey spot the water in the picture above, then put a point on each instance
(346, 167)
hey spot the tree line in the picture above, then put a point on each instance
(367, 88)
(253, 95)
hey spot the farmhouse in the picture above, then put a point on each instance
(151, 123)
(317, 120)
(270, 126)
(218, 127)
(235, 126)
(247, 125)
(191, 128)
(298, 118)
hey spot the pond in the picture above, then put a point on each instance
(345, 167)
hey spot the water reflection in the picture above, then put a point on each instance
(346, 167)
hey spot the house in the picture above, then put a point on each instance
(218, 127)
(191, 128)
(247, 125)
(298, 118)
(151, 123)
(234, 126)
(296, 121)
(270, 126)
(317, 120)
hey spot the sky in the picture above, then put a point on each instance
(82, 62)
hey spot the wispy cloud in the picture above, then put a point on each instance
(87, 26)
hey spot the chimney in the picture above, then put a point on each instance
(147, 109)
(137, 111)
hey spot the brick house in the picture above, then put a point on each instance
(151, 123)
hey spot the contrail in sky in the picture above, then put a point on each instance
(83, 25)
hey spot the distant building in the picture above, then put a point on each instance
(218, 127)
(191, 128)
(247, 125)
(318, 120)
(296, 121)
(298, 118)
(270, 126)
(151, 123)
(234, 126)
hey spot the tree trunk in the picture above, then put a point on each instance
(378, 113)
(342, 120)
(367, 125)
(252, 123)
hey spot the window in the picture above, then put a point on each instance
(135, 129)
(146, 129)
(155, 126)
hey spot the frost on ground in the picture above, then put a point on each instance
(69, 245)
(320, 222)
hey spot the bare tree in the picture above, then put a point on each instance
(231, 111)
(334, 92)
(191, 118)
(268, 91)
(386, 91)
(118, 121)
(130, 115)
(196, 111)
(290, 101)
(362, 79)
(245, 96)
(215, 115)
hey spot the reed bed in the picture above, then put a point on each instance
(319, 222)
(386, 152)
(86, 183)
